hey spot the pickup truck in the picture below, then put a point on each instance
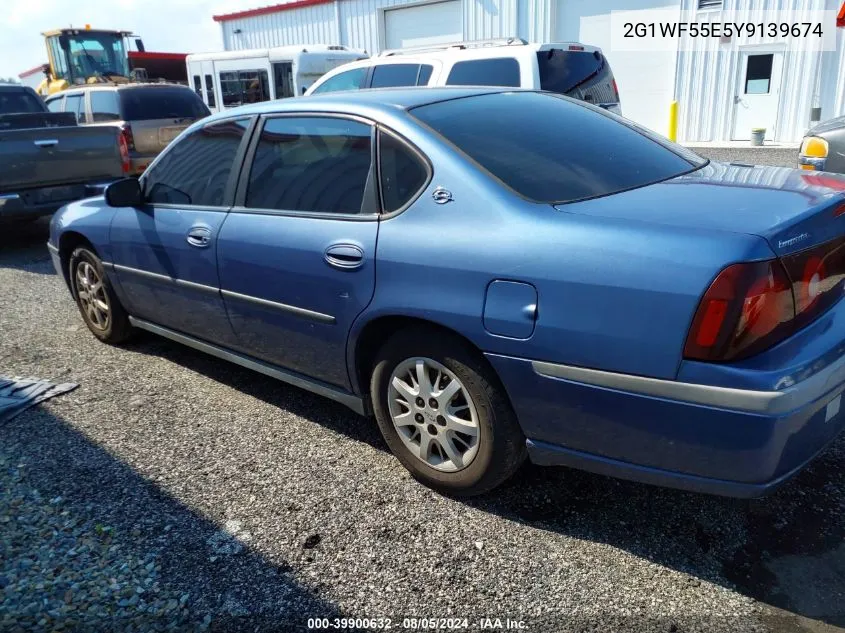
(47, 160)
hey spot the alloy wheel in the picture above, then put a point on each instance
(433, 414)
(92, 295)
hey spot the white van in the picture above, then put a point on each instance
(570, 68)
(231, 78)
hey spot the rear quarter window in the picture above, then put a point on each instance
(501, 71)
(565, 151)
(161, 102)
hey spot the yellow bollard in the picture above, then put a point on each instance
(673, 121)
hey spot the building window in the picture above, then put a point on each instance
(709, 4)
(244, 86)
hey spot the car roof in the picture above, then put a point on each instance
(360, 101)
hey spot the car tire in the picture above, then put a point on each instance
(479, 404)
(100, 308)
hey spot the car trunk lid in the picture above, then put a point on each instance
(793, 210)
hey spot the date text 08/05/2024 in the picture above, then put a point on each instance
(417, 624)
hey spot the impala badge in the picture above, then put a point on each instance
(441, 195)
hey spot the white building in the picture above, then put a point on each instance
(724, 85)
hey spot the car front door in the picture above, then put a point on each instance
(165, 252)
(297, 252)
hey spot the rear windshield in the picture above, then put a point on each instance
(161, 102)
(579, 74)
(23, 101)
(564, 151)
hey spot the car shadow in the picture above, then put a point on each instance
(24, 247)
(109, 511)
(785, 550)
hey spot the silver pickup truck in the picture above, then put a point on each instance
(46, 160)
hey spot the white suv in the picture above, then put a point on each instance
(568, 68)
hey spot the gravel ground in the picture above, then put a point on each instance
(780, 156)
(174, 491)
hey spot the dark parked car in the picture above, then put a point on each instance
(823, 147)
(490, 285)
(46, 160)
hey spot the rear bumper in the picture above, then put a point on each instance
(41, 201)
(138, 164)
(706, 438)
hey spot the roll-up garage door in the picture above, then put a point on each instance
(421, 25)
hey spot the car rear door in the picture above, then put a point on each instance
(165, 252)
(297, 252)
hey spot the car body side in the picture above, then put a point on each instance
(612, 295)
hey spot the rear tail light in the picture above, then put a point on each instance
(126, 131)
(751, 307)
(125, 162)
(127, 143)
(575, 47)
(615, 88)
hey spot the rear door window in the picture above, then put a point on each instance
(312, 164)
(104, 106)
(196, 169)
(564, 151)
(161, 102)
(393, 75)
(283, 79)
(424, 74)
(209, 91)
(76, 104)
(499, 71)
(54, 105)
(578, 74)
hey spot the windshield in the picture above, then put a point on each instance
(564, 151)
(161, 102)
(93, 53)
(19, 101)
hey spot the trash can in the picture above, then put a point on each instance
(758, 134)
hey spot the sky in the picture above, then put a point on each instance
(183, 26)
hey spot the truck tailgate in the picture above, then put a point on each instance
(39, 157)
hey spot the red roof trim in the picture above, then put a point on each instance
(31, 71)
(276, 8)
(151, 55)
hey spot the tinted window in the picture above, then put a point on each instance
(104, 106)
(161, 102)
(19, 101)
(564, 151)
(244, 86)
(402, 173)
(311, 164)
(196, 169)
(75, 104)
(209, 91)
(283, 79)
(578, 74)
(502, 71)
(350, 80)
(388, 75)
(53, 105)
(198, 86)
(424, 75)
(758, 74)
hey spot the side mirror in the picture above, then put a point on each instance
(124, 193)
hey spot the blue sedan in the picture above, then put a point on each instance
(493, 275)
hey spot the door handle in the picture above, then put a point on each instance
(199, 236)
(344, 256)
(47, 142)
